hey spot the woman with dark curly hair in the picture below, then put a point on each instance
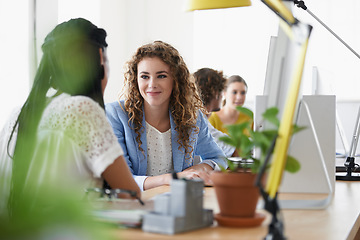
(160, 123)
(211, 84)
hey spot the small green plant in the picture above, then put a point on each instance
(246, 141)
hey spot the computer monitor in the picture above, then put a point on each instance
(313, 147)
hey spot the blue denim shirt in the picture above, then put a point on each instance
(203, 144)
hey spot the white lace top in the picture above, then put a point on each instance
(75, 142)
(84, 121)
(159, 151)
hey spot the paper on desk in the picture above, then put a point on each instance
(126, 212)
(129, 218)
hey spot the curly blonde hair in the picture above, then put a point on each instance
(184, 100)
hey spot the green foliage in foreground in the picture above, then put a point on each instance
(246, 140)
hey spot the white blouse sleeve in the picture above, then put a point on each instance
(84, 121)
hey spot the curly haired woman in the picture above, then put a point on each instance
(160, 123)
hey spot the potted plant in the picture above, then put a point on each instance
(235, 187)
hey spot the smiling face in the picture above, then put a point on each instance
(235, 94)
(155, 82)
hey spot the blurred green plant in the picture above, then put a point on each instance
(52, 213)
(246, 141)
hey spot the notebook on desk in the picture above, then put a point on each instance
(124, 212)
(127, 218)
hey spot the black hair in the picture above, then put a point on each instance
(71, 64)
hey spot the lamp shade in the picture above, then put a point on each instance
(215, 4)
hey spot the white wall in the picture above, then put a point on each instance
(337, 65)
(236, 40)
(347, 114)
(131, 24)
(14, 63)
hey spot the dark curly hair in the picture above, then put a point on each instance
(210, 82)
(184, 100)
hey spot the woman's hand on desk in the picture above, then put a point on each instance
(201, 170)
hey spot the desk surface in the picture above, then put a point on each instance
(338, 221)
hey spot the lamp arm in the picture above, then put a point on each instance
(281, 10)
(301, 4)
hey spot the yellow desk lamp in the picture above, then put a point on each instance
(215, 4)
(299, 33)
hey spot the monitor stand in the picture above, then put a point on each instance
(314, 147)
(350, 166)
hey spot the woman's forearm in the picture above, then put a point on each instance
(156, 181)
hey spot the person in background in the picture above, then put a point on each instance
(60, 139)
(160, 123)
(235, 95)
(211, 84)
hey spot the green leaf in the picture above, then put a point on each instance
(237, 129)
(297, 129)
(292, 165)
(270, 134)
(246, 147)
(271, 115)
(230, 141)
(232, 166)
(255, 167)
(270, 112)
(260, 138)
(245, 140)
(222, 168)
(245, 111)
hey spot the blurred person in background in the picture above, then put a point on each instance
(235, 95)
(210, 84)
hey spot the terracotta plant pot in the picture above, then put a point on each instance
(236, 193)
